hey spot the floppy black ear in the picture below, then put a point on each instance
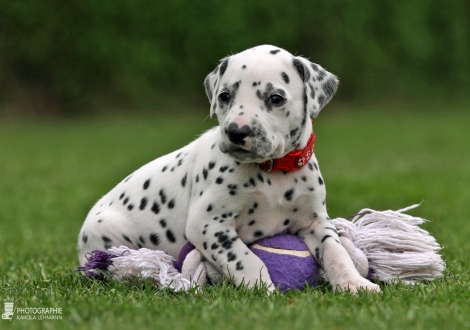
(212, 81)
(320, 85)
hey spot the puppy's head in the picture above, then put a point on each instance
(263, 98)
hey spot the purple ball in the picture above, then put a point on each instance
(287, 258)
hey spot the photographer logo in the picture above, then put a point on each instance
(30, 313)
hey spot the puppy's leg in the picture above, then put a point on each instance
(222, 247)
(323, 242)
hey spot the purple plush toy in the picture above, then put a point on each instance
(288, 260)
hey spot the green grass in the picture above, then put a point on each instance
(51, 173)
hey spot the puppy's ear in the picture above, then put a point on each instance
(212, 82)
(320, 85)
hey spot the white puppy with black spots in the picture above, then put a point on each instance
(253, 176)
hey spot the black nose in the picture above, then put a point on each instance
(238, 134)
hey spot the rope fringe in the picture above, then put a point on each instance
(395, 246)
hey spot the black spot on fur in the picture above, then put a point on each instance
(222, 169)
(164, 168)
(321, 75)
(205, 172)
(170, 236)
(325, 238)
(219, 180)
(224, 240)
(141, 238)
(204, 245)
(171, 204)
(304, 72)
(275, 51)
(260, 177)
(106, 239)
(258, 233)
(286, 222)
(211, 165)
(289, 194)
(239, 265)
(146, 184)
(329, 87)
(310, 166)
(127, 238)
(162, 196)
(209, 208)
(320, 180)
(333, 229)
(155, 208)
(143, 203)
(285, 77)
(231, 256)
(125, 200)
(223, 67)
(84, 238)
(251, 223)
(163, 223)
(183, 180)
(121, 196)
(130, 207)
(154, 239)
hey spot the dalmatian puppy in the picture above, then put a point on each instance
(229, 188)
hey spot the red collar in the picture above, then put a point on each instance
(291, 161)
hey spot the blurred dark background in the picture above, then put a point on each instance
(79, 57)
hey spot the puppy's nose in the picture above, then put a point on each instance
(238, 134)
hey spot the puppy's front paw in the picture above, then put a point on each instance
(358, 284)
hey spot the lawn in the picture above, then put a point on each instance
(388, 157)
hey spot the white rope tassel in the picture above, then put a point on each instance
(395, 246)
(146, 264)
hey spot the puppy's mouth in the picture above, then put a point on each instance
(240, 154)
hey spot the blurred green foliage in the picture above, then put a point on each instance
(72, 56)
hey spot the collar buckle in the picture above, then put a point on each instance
(267, 166)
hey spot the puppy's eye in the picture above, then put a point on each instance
(276, 99)
(224, 97)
